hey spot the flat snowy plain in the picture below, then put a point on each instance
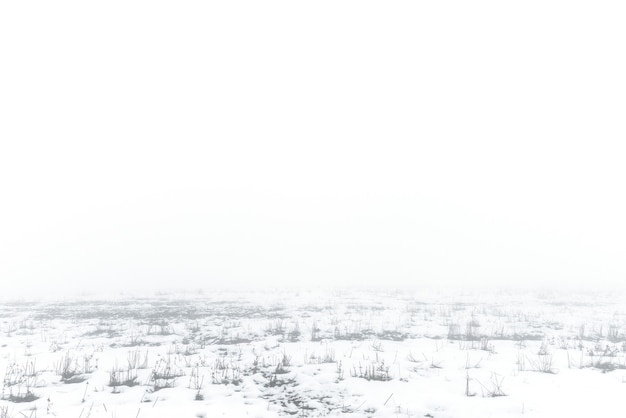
(348, 353)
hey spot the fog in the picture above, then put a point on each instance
(187, 145)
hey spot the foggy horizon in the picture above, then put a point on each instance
(165, 148)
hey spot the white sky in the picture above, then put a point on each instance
(198, 144)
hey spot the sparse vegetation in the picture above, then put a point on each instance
(282, 357)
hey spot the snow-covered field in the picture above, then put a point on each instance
(349, 353)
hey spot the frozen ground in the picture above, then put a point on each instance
(313, 353)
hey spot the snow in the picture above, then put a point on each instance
(309, 353)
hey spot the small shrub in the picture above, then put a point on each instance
(375, 371)
(19, 381)
(164, 374)
(119, 377)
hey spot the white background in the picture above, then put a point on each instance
(147, 145)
